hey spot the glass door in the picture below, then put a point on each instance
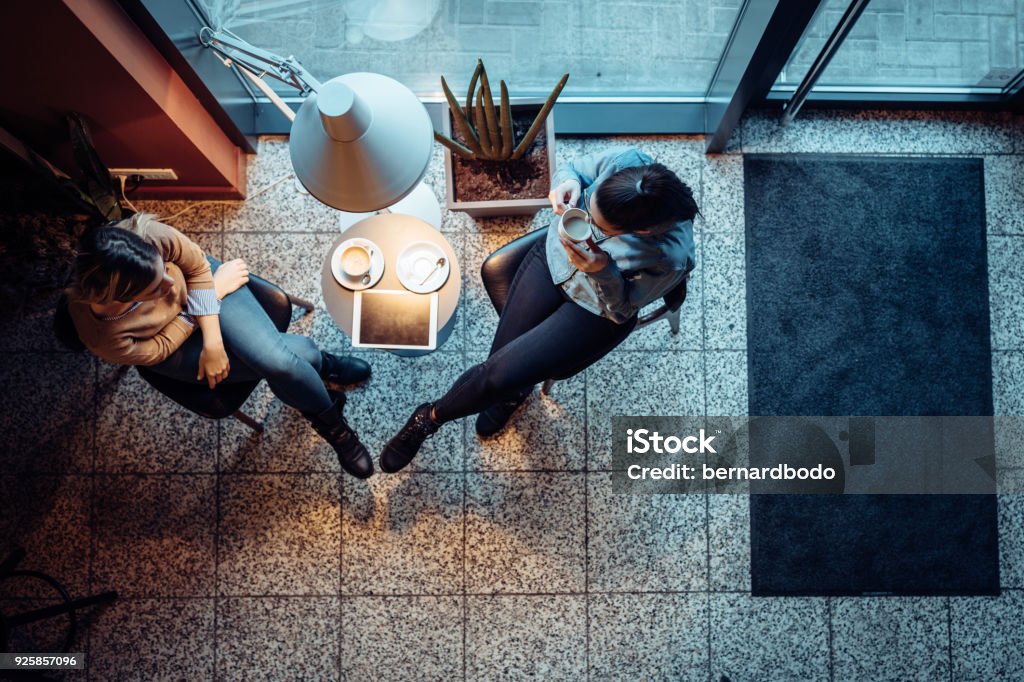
(932, 50)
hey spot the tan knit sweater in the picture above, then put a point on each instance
(152, 331)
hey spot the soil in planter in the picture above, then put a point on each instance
(524, 178)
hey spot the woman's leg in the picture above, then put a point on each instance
(532, 296)
(290, 363)
(568, 340)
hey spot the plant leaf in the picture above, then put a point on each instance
(506, 123)
(538, 122)
(490, 116)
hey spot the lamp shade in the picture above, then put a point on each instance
(361, 142)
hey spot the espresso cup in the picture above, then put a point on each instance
(574, 225)
(355, 261)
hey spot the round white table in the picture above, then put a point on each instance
(392, 232)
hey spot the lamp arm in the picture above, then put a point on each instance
(233, 49)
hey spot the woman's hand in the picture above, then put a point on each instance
(230, 277)
(593, 260)
(565, 195)
(213, 364)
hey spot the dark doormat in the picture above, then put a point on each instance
(867, 294)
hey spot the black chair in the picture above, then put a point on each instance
(225, 399)
(67, 607)
(500, 267)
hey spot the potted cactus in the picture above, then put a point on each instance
(497, 162)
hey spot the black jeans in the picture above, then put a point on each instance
(541, 335)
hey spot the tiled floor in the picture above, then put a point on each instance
(244, 557)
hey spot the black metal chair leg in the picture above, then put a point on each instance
(248, 421)
(301, 303)
(547, 386)
(673, 320)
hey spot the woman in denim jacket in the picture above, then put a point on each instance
(569, 305)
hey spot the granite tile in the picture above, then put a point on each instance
(659, 383)
(45, 635)
(481, 318)
(152, 640)
(987, 640)
(546, 434)
(376, 642)
(133, 434)
(281, 638)
(46, 417)
(729, 542)
(658, 335)
(271, 161)
(644, 542)
(287, 444)
(154, 535)
(721, 197)
(1009, 444)
(1006, 291)
(1008, 383)
(325, 332)
(518, 637)
(279, 534)
(281, 206)
(890, 638)
(725, 292)
(48, 517)
(212, 243)
(773, 638)
(525, 532)
(291, 261)
(1004, 194)
(648, 637)
(276, 201)
(402, 534)
(726, 377)
(1011, 540)
(188, 216)
(876, 131)
(398, 385)
(30, 326)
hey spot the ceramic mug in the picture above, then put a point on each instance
(574, 225)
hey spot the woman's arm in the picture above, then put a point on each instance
(570, 180)
(203, 296)
(129, 350)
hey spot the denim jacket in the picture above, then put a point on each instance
(641, 268)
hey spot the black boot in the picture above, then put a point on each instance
(343, 370)
(401, 449)
(491, 421)
(333, 428)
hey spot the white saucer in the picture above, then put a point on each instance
(416, 262)
(376, 264)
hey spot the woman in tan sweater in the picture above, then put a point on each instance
(140, 291)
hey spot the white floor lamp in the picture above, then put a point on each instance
(359, 143)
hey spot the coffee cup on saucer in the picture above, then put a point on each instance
(355, 261)
(574, 225)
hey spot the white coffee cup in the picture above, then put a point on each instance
(574, 225)
(355, 261)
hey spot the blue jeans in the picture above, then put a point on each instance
(290, 363)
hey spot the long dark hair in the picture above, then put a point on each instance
(640, 197)
(115, 262)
